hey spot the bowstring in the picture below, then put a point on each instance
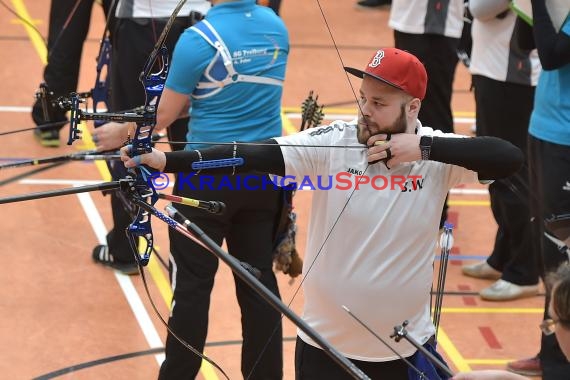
(337, 219)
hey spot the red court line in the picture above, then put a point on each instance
(490, 337)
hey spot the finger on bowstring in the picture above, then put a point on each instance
(378, 139)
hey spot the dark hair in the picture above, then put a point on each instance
(560, 283)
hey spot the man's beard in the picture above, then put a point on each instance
(398, 126)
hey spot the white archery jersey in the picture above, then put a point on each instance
(158, 9)
(378, 258)
(494, 55)
(427, 17)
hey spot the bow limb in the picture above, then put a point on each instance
(100, 91)
(143, 188)
(142, 191)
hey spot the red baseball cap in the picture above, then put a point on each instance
(397, 68)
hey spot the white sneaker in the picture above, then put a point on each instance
(481, 270)
(505, 291)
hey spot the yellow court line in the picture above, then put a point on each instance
(489, 361)
(156, 273)
(208, 370)
(452, 352)
(464, 113)
(37, 41)
(468, 203)
(160, 280)
(492, 310)
(87, 143)
(288, 127)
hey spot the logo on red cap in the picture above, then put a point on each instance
(377, 59)
(398, 68)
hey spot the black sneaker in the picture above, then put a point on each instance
(47, 137)
(101, 255)
(373, 4)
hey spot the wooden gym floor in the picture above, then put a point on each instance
(63, 316)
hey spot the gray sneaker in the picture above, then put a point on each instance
(506, 291)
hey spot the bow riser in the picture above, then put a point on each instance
(100, 93)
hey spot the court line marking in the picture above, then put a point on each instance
(143, 318)
(489, 361)
(492, 310)
(35, 38)
(452, 352)
(126, 284)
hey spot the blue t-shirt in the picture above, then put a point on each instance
(550, 120)
(259, 45)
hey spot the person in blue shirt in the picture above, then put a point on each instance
(137, 26)
(231, 66)
(549, 158)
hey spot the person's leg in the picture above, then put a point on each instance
(532, 366)
(250, 239)
(68, 27)
(119, 252)
(312, 363)
(275, 5)
(555, 165)
(439, 56)
(193, 269)
(486, 121)
(503, 110)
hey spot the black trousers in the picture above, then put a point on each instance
(439, 56)
(248, 227)
(503, 110)
(65, 46)
(549, 174)
(132, 42)
(312, 363)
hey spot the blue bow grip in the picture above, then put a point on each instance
(212, 164)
